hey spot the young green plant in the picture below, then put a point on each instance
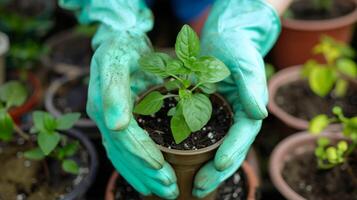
(50, 142)
(191, 79)
(330, 155)
(336, 74)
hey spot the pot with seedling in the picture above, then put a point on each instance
(184, 116)
(318, 166)
(318, 86)
(4, 47)
(304, 23)
(48, 161)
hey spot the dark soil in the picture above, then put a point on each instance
(233, 188)
(302, 175)
(27, 180)
(30, 8)
(158, 127)
(71, 97)
(75, 50)
(304, 9)
(298, 100)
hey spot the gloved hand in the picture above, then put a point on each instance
(240, 33)
(114, 83)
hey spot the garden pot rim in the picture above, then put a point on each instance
(190, 152)
(4, 43)
(320, 25)
(282, 152)
(284, 77)
(252, 182)
(49, 100)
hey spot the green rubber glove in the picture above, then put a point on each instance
(114, 83)
(240, 33)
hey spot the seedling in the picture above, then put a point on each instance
(336, 74)
(50, 142)
(330, 155)
(191, 79)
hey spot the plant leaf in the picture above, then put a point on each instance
(6, 126)
(48, 141)
(34, 154)
(176, 67)
(150, 104)
(155, 63)
(179, 128)
(70, 166)
(187, 45)
(13, 93)
(318, 124)
(197, 111)
(347, 67)
(208, 88)
(321, 80)
(171, 112)
(210, 70)
(172, 85)
(43, 121)
(341, 88)
(70, 149)
(67, 121)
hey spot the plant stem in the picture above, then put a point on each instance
(176, 77)
(21, 133)
(170, 95)
(196, 86)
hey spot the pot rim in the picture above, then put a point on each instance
(191, 152)
(321, 25)
(49, 100)
(4, 43)
(282, 152)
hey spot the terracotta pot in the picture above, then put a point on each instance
(4, 47)
(280, 79)
(32, 101)
(296, 144)
(298, 37)
(252, 182)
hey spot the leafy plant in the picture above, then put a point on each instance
(50, 142)
(330, 155)
(191, 81)
(338, 71)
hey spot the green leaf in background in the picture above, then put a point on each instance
(350, 128)
(208, 88)
(323, 142)
(341, 88)
(67, 121)
(150, 104)
(34, 154)
(68, 150)
(48, 141)
(348, 67)
(269, 71)
(322, 80)
(13, 93)
(210, 70)
(86, 30)
(318, 124)
(6, 126)
(155, 63)
(70, 166)
(197, 111)
(331, 153)
(179, 128)
(187, 45)
(172, 85)
(43, 121)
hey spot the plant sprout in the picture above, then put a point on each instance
(338, 71)
(330, 155)
(50, 142)
(192, 80)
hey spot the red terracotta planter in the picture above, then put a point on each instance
(298, 37)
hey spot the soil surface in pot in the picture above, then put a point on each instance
(303, 176)
(71, 97)
(305, 10)
(158, 127)
(28, 180)
(297, 99)
(234, 188)
(75, 50)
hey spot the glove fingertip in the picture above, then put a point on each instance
(221, 163)
(115, 121)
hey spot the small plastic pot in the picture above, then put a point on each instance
(298, 37)
(296, 144)
(32, 101)
(252, 182)
(4, 47)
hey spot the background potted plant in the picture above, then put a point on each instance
(319, 86)
(306, 21)
(307, 166)
(50, 161)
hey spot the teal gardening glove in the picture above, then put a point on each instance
(114, 83)
(240, 33)
(233, 33)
